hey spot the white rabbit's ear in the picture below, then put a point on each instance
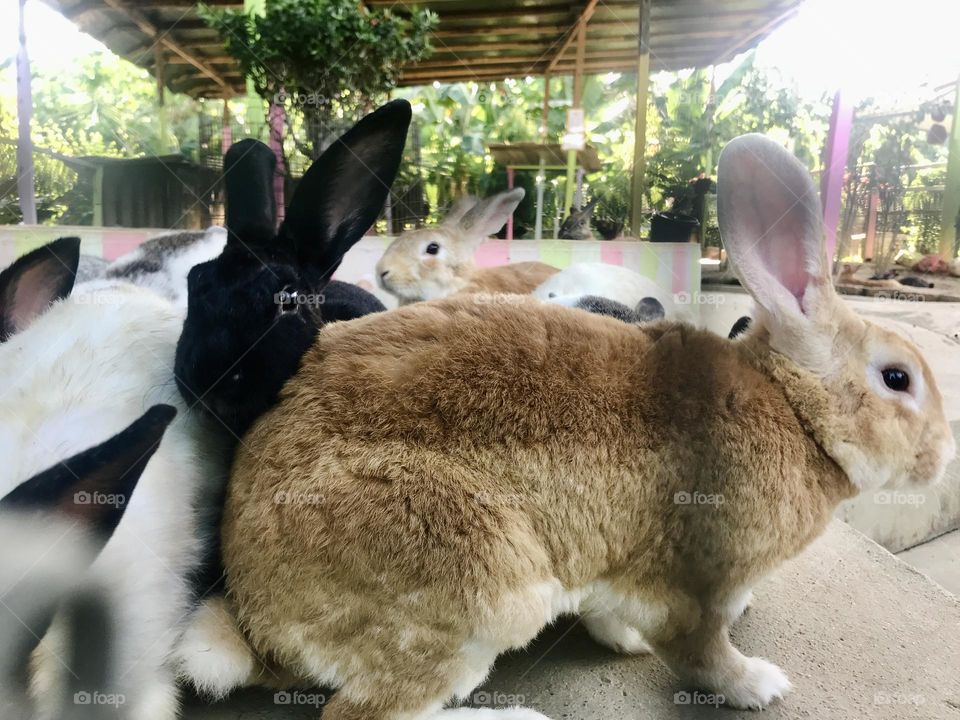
(770, 222)
(458, 209)
(35, 281)
(490, 214)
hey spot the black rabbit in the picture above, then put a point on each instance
(254, 311)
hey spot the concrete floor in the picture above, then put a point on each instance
(860, 634)
(938, 559)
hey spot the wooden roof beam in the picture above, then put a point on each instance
(573, 32)
(164, 38)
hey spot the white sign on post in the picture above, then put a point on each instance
(575, 137)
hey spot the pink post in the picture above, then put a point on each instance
(510, 219)
(834, 165)
(276, 144)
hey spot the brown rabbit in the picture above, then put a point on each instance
(440, 482)
(436, 262)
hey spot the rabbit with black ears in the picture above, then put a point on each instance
(254, 311)
(457, 474)
(58, 531)
(79, 365)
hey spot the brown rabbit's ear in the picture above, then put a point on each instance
(770, 222)
(490, 214)
(458, 209)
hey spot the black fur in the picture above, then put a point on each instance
(648, 310)
(238, 345)
(740, 327)
(604, 306)
(36, 280)
(913, 281)
(77, 487)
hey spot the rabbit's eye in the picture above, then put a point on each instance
(433, 249)
(288, 301)
(896, 379)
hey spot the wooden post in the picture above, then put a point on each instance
(160, 71)
(577, 104)
(98, 197)
(542, 175)
(254, 113)
(870, 241)
(226, 128)
(950, 224)
(25, 173)
(640, 127)
(835, 163)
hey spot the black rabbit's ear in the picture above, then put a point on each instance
(94, 487)
(251, 207)
(344, 190)
(35, 281)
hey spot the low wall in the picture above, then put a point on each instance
(673, 266)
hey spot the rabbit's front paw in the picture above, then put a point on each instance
(759, 684)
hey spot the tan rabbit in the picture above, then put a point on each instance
(440, 482)
(436, 262)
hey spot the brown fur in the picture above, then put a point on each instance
(848, 276)
(439, 482)
(520, 278)
(411, 274)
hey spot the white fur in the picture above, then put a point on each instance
(213, 655)
(82, 372)
(171, 281)
(613, 282)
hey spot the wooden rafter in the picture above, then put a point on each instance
(164, 37)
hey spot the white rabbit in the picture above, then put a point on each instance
(613, 282)
(58, 528)
(80, 367)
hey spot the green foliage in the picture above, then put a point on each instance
(324, 60)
